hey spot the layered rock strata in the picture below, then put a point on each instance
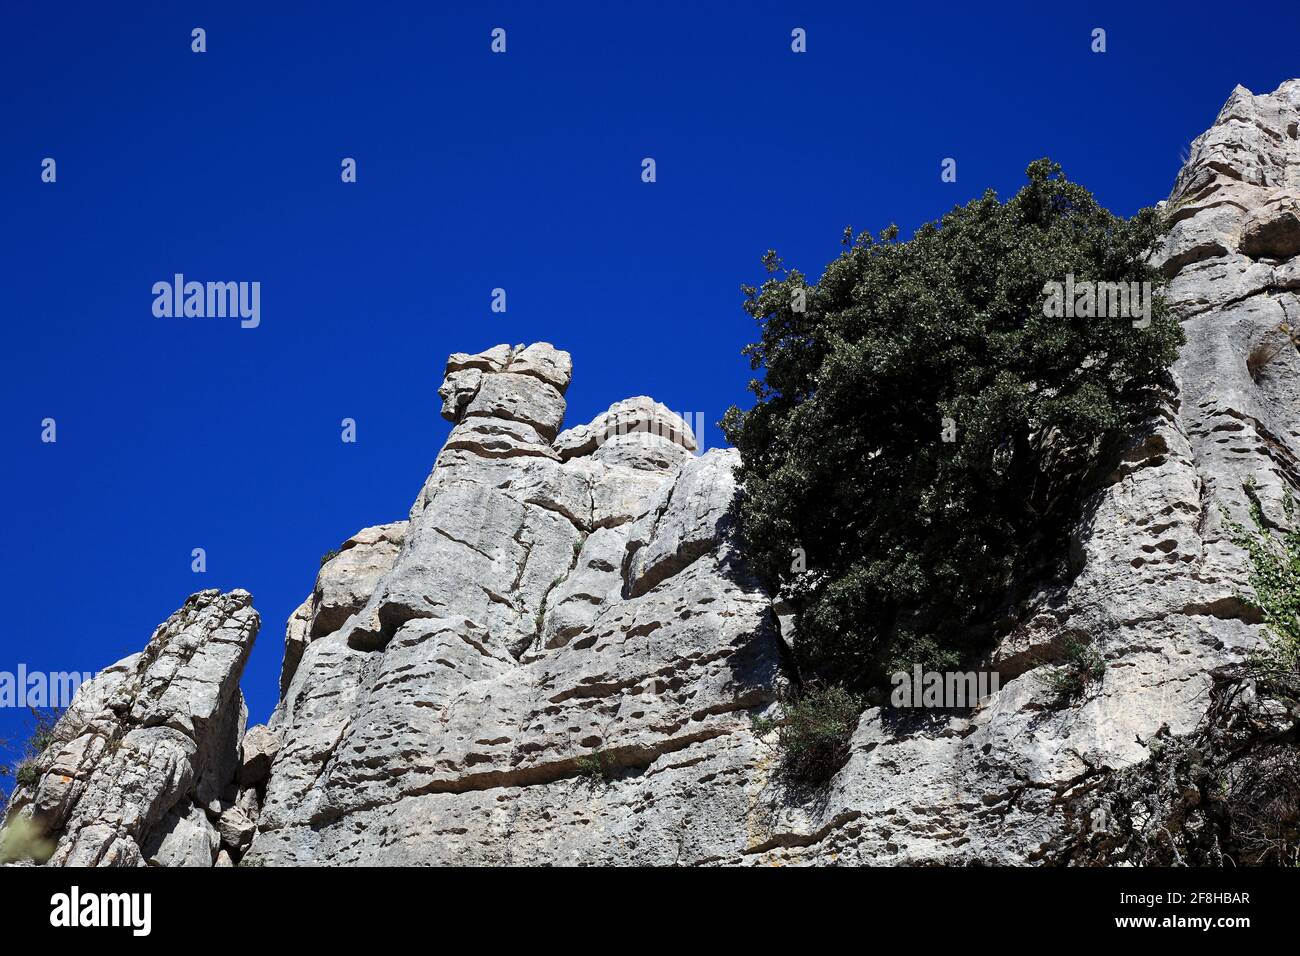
(141, 768)
(559, 659)
(555, 658)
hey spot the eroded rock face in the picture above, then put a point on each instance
(1157, 573)
(343, 585)
(143, 759)
(559, 663)
(556, 657)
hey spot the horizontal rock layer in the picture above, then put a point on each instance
(556, 656)
(566, 623)
(1157, 576)
(142, 766)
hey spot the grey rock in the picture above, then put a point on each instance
(595, 582)
(457, 390)
(640, 416)
(519, 398)
(235, 828)
(145, 741)
(1273, 231)
(684, 522)
(499, 438)
(346, 580)
(184, 838)
(645, 452)
(545, 362)
(464, 377)
(343, 585)
(495, 359)
(296, 638)
(500, 657)
(257, 754)
(593, 707)
(248, 802)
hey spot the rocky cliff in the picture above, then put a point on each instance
(553, 659)
(142, 766)
(556, 657)
(1157, 576)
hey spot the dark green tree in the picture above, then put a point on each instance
(914, 546)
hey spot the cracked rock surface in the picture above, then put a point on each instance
(1157, 576)
(142, 764)
(556, 656)
(557, 602)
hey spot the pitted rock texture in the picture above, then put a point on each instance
(1157, 576)
(142, 765)
(561, 664)
(342, 587)
(638, 432)
(560, 659)
(556, 657)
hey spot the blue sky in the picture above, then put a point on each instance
(475, 171)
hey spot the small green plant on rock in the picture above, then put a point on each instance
(813, 732)
(42, 736)
(22, 840)
(1275, 579)
(26, 770)
(329, 556)
(540, 617)
(761, 726)
(597, 768)
(28, 774)
(1082, 667)
(114, 742)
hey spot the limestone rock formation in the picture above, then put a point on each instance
(1157, 576)
(564, 646)
(142, 765)
(342, 587)
(556, 656)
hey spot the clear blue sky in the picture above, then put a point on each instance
(475, 171)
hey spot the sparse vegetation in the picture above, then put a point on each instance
(540, 617)
(1274, 579)
(24, 769)
(22, 839)
(329, 556)
(597, 768)
(761, 726)
(27, 774)
(1228, 793)
(43, 735)
(813, 733)
(1083, 665)
(114, 742)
